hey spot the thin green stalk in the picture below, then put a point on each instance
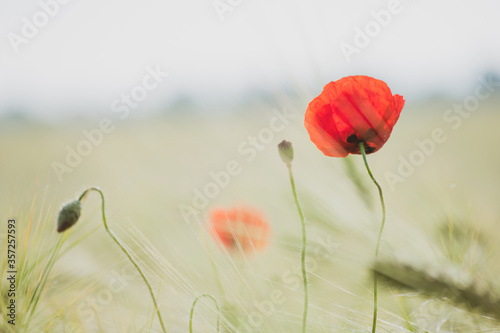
(382, 203)
(194, 305)
(304, 243)
(41, 286)
(112, 235)
(217, 276)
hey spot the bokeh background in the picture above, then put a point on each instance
(72, 78)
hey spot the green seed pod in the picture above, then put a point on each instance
(286, 151)
(68, 215)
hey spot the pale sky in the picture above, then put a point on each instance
(90, 52)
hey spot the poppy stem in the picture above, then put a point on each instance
(194, 305)
(382, 203)
(112, 235)
(304, 244)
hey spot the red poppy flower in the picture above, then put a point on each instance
(240, 228)
(352, 110)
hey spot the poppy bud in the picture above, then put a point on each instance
(286, 151)
(68, 215)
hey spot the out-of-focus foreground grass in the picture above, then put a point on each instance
(443, 217)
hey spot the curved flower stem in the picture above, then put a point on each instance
(303, 254)
(382, 203)
(194, 305)
(112, 235)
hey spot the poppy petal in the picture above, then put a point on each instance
(239, 228)
(351, 110)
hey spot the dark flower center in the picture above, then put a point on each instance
(353, 139)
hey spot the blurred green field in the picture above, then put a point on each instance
(446, 214)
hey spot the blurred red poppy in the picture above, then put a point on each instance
(352, 110)
(240, 227)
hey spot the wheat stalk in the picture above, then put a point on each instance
(458, 289)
